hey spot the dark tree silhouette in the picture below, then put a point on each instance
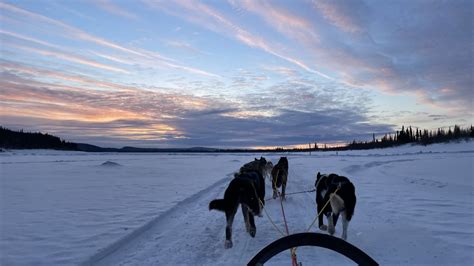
(10, 139)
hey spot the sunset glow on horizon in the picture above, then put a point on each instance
(234, 73)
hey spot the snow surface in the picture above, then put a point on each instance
(415, 207)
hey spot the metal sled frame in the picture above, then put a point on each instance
(312, 239)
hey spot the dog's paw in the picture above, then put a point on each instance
(323, 227)
(275, 195)
(228, 244)
(247, 227)
(344, 236)
(331, 230)
(253, 232)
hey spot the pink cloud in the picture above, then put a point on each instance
(337, 16)
(72, 58)
(115, 9)
(40, 73)
(290, 25)
(29, 39)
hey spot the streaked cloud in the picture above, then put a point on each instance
(29, 39)
(115, 9)
(212, 19)
(75, 33)
(349, 16)
(41, 73)
(291, 25)
(184, 46)
(72, 58)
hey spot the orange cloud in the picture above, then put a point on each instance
(53, 100)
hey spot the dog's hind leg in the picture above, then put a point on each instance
(321, 224)
(253, 228)
(274, 187)
(337, 205)
(228, 229)
(345, 224)
(245, 212)
(283, 189)
(334, 218)
(331, 228)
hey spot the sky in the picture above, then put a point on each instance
(180, 73)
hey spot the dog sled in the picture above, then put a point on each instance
(312, 239)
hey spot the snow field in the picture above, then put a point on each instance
(415, 207)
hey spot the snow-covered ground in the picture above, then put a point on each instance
(415, 206)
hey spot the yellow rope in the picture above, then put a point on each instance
(317, 216)
(270, 219)
(293, 250)
(274, 187)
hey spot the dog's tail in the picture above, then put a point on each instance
(217, 204)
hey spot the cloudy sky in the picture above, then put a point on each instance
(180, 73)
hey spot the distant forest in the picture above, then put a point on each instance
(10, 139)
(408, 135)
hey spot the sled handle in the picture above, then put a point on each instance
(312, 239)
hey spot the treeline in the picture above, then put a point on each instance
(404, 136)
(417, 136)
(10, 139)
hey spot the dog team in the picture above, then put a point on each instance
(334, 195)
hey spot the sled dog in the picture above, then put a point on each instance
(268, 169)
(248, 190)
(343, 202)
(279, 177)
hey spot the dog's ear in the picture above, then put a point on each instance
(256, 159)
(318, 175)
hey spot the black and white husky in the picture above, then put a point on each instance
(248, 190)
(343, 202)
